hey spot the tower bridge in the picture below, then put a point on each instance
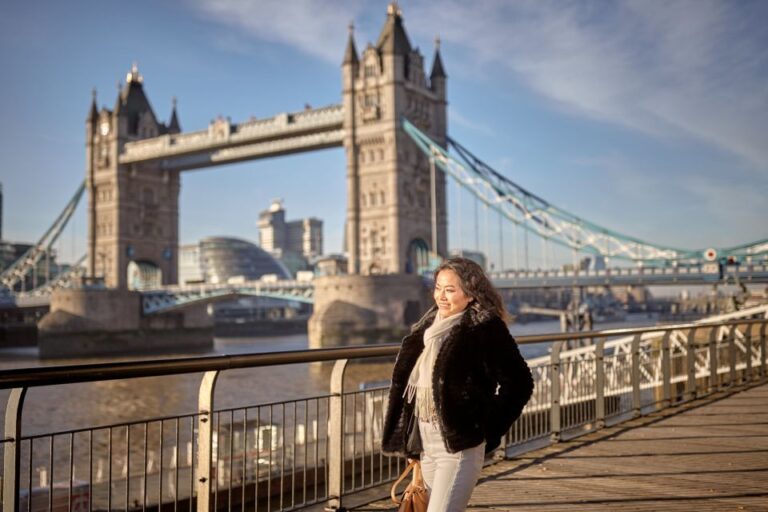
(392, 125)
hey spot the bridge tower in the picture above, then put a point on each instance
(132, 208)
(389, 211)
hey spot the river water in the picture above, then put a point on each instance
(63, 407)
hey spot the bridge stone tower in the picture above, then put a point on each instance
(133, 208)
(389, 192)
(389, 211)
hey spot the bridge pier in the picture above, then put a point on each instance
(90, 322)
(352, 309)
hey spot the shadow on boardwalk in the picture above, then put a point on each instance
(707, 455)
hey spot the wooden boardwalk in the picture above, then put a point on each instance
(707, 455)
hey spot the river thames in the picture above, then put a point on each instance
(73, 406)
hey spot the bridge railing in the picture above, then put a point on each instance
(324, 449)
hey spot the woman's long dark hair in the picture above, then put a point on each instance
(475, 283)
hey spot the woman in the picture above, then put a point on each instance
(460, 374)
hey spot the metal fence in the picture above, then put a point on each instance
(323, 449)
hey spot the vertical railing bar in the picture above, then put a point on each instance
(71, 470)
(109, 469)
(231, 454)
(12, 449)
(732, 355)
(145, 472)
(335, 445)
(29, 481)
(282, 454)
(635, 375)
(259, 439)
(191, 461)
(160, 466)
(205, 440)
(90, 470)
(293, 459)
(306, 437)
(127, 467)
(713, 364)
(748, 345)
(555, 390)
(317, 442)
(666, 371)
(271, 444)
(217, 468)
(354, 439)
(364, 413)
(373, 441)
(177, 444)
(244, 478)
(763, 369)
(50, 478)
(690, 365)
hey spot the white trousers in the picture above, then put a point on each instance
(450, 477)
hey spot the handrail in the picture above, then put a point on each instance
(72, 374)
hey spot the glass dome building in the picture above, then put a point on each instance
(225, 258)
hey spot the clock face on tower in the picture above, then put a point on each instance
(104, 128)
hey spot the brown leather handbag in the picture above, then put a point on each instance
(415, 497)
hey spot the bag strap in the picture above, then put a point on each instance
(414, 465)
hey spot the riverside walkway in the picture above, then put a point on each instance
(706, 455)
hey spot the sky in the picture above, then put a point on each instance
(648, 117)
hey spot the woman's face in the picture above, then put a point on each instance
(449, 296)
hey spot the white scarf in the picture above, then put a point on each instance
(420, 381)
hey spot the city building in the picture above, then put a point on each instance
(292, 242)
(218, 260)
(221, 259)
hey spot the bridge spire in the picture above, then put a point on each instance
(393, 39)
(94, 112)
(350, 55)
(437, 62)
(173, 124)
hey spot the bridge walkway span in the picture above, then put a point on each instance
(709, 454)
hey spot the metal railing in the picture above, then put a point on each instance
(324, 449)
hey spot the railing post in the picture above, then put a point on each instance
(690, 360)
(636, 404)
(763, 370)
(666, 371)
(732, 355)
(748, 346)
(554, 412)
(336, 438)
(12, 450)
(713, 366)
(205, 440)
(600, 382)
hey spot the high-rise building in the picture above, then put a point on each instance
(281, 238)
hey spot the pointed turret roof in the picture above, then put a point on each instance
(350, 55)
(393, 38)
(131, 100)
(437, 63)
(94, 112)
(173, 124)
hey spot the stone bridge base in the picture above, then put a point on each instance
(354, 310)
(94, 322)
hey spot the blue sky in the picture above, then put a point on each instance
(648, 117)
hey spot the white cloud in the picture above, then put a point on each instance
(689, 67)
(313, 26)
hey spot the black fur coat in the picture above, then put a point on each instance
(480, 383)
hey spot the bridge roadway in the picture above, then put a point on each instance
(173, 297)
(706, 455)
